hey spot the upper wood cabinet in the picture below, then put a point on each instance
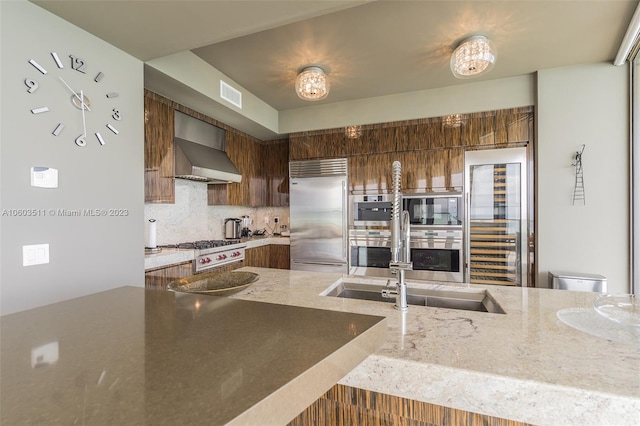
(431, 150)
(158, 152)
(264, 169)
(245, 153)
(275, 168)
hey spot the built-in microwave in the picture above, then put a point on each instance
(371, 210)
(439, 210)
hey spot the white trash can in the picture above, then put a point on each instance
(577, 281)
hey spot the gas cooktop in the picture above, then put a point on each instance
(201, 244)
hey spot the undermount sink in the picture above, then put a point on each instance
(215, 283)
(467, 299)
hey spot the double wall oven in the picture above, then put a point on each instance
(436, 236)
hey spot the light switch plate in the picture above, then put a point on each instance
(36, 254)
(44, 177)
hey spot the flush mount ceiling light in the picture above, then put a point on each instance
(474, 56)
(312, 84)
(353, 132)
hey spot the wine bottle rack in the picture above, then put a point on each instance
(493, 238)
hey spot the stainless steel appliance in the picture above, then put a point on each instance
(370, 210)
(210, 254)
(200, 152)
(370, 252)
(318, 215)
(232, 228)
(437, 255)
(444, 209)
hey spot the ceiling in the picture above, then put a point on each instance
(367, 48)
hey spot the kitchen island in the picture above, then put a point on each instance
(525, 365)
(133, 356)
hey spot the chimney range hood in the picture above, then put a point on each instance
(200, 152)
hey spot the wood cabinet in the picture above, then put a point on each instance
(263, 166)
(279, 256)
(245, 153)
(269, 256)
(275, 168)
(264, 169)
(430, 150)
(257, 256)
(159, 278)
(158, 151)
(345, 406)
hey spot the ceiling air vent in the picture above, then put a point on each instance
(230, 94)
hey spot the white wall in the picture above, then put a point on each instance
(87, 253)
(584, 105)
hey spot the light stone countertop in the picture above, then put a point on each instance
(526, 365)
(168, 257)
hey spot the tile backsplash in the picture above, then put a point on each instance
(191, 219)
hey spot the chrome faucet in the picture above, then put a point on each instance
(400, 243)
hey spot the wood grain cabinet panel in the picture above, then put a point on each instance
(159, 169)
(247, 155)
(431, 150)
(279, 256)
(322, 144)
(276, 172)
(346, 406)
(269, 256)
(257, 257)
(265, 174)
(159, 278)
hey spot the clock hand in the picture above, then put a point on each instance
(76, 95)
(84, 123)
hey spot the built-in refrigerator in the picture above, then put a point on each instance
(318, 215)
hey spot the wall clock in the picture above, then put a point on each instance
(80, 89)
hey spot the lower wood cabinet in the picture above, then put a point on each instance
(269, 256)
(159, 278)
(279, 256)
(346, 406)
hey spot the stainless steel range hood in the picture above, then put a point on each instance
(199, 152)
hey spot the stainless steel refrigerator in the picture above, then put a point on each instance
(318, 215)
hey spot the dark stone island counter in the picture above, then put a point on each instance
(135, 356)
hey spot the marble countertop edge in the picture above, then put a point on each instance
(491, 394)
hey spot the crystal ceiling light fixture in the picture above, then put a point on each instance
(353, 132)
(474, 56)
(312, 84)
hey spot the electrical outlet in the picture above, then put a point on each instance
(276, 219)
(266, 220)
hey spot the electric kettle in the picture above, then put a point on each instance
(232, 228)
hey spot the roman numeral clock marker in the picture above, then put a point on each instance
(77, 87)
